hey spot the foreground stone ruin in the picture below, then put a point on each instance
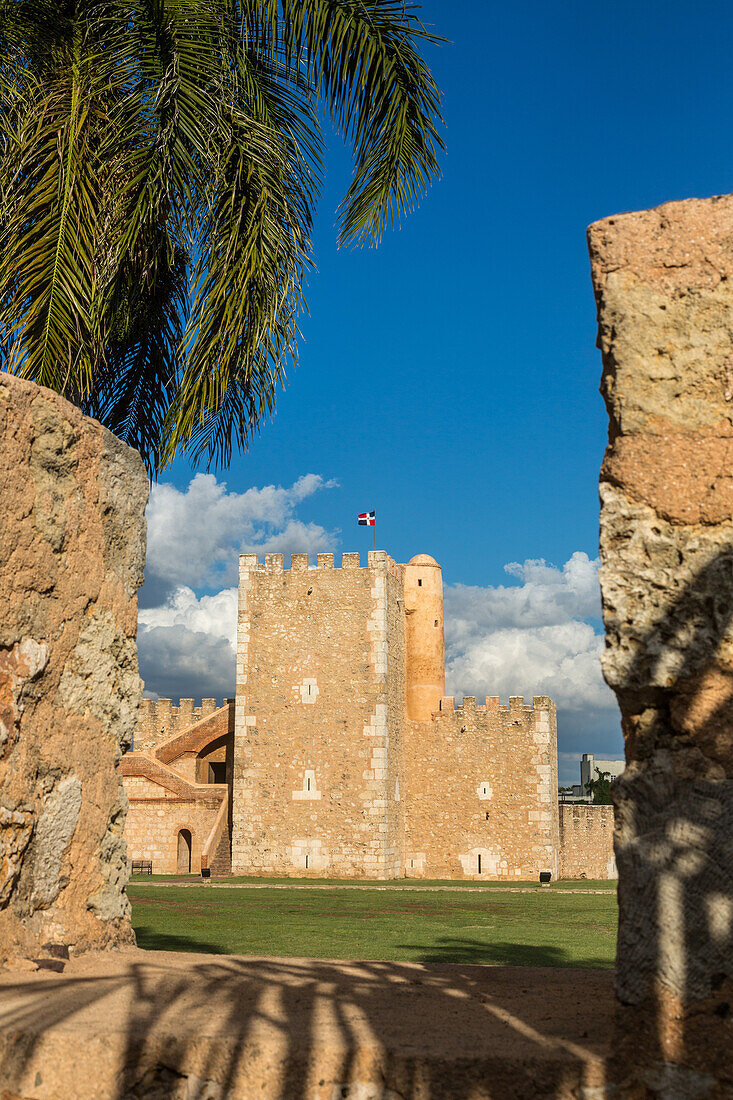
(664, 286)
(72, 550)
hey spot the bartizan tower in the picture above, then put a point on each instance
(424, 637)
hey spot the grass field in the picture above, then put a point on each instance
(390, 884)
(539, 928)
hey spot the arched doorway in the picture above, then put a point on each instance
(184, 852)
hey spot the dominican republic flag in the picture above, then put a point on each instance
(367, 519)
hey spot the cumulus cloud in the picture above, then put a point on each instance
(186, 640)
(532, 638)
(187, 646)
(196, 533)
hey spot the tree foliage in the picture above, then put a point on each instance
(599, 788)
(159, 167)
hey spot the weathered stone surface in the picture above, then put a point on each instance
(586, 842)
(664, 287)
(72, 548)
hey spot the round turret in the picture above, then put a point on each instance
(425, 646)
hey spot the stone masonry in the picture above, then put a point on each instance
(348, 761)
(72, 548)
(178, 785)
(342, 755)
(586, 842)
(663, 281)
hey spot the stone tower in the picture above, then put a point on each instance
(348, 761)
(425, 644)
(319, 716)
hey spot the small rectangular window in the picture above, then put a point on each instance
(479, 864)
(419, 582)
(306, 862)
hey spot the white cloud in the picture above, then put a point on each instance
(215, 615)
(548, 596)
(532, 639)
(186, 641)
(195, 534)
(560, 660)
(187, 646)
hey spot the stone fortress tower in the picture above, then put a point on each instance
(342, 756)
(348, 758)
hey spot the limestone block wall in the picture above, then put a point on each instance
(586, 842)
(154, 819)
(72, 548)
(663, 281)
(158, 719)
(312, 750)
(481, 791)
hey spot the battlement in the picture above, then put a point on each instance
(158, 718)
(378, 560)
(494, 705)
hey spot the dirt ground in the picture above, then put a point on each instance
(140, 1024)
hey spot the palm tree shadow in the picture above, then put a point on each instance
(674, 829)
(298, 1028)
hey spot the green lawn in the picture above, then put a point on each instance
(398, 883)
(542, 928)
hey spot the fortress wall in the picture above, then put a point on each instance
(154, 820)
(158, 719)
(72, 547)
(586, 842)
(311, 775)
(395, 775)
(482, 782)
(663, 281)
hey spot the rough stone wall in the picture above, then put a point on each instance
(482, 782)
(184, 741)
(586, 842)
(158, 719)
(72, 548)
(155, 818)
(664, 288)
(312, 792)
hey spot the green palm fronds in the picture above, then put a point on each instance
(160, 161)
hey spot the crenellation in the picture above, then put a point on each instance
(298, 563)
(274, 563)
(351, 561)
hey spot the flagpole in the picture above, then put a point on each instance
(375, 530)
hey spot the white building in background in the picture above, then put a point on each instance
(590, 767)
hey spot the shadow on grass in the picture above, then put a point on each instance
(456, 949)
(152, 939)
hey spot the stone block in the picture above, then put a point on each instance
(72, 549)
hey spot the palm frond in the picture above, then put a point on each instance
(49, 197)
(160, 161)
(363, 55)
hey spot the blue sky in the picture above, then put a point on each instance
(449, 379)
